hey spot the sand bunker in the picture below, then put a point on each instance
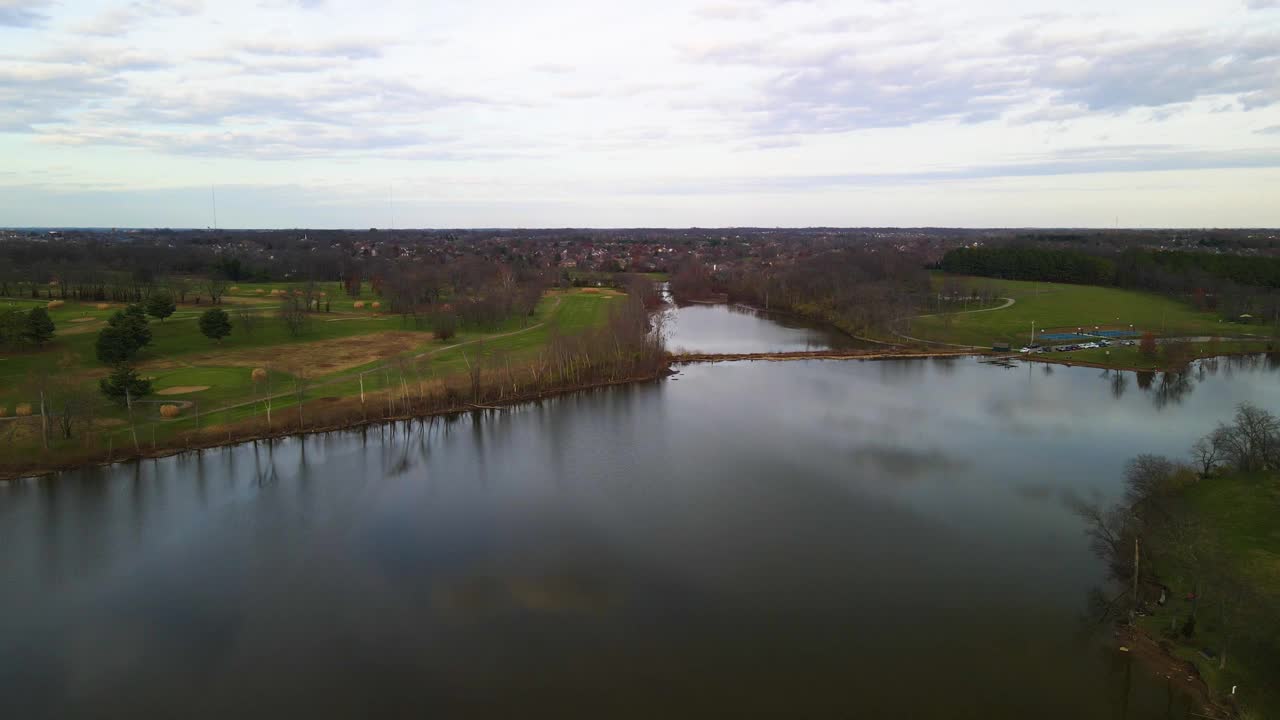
(182, 389)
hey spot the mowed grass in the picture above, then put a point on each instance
(1061, 307)
(180, 357)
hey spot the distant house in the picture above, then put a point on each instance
(1001, 346)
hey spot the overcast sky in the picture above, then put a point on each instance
(329, 113)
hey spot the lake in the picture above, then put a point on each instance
(798, 539)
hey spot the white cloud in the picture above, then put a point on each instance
(775, 106)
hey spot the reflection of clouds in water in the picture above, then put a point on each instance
(908, 462)
(482, 595)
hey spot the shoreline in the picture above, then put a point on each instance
(1180, 673)
(672, 359)
(197, 445)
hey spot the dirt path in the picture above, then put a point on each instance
(1008, 302)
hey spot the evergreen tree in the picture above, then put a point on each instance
(215, 324)
(126, 333)
(160, 305)
(124, 384)
(39, 326)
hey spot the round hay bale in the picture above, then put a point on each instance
(235, 288)
(103, 306)
(4, 411)
(259, 374)
(55, 304)
(359, 305)
(170, 411)
(297, 292)
(22, 410)
(376, 304)
(324, 294)
(260, 291)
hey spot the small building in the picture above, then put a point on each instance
(1001, 346)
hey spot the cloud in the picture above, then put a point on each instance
(816, 85)
(22, 13)
(1262, 4)
(1272, 130)
(121, 20)
(1071, 161)
(333, 48)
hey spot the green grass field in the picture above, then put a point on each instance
(335, 350)
(1056, 306)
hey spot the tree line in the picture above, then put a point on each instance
(1159, 547)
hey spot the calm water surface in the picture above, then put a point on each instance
(723, 328)
(807, 539)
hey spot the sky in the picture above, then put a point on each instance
(487, 113)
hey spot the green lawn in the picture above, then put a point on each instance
(1056, 306)
(180, 357)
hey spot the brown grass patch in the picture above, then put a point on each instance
(80, 320)
(109, 422)
(182, 389)
(319, 357)
(589, 291)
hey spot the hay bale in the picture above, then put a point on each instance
(55, 304)
(22, 410)
(4, 411)
(359, 305)
(259, 374)
(376, 304)
(235, 288)
(170, 411)
(260, 291)
(103, 306)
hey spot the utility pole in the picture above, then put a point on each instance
(1033, 332)
(1136, 561)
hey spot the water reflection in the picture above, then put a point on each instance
(797, 539)
(724, 328)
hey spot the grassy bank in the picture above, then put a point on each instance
(338, 358)
(1240, 516)
(1060, 307)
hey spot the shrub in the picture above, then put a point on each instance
(22, 410)
(444, 325)
(215, 324)
(123, 383)
(259, 374)
(170, 411)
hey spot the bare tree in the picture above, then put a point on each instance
(216, 285)
(293, 313)
(1206, 452)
